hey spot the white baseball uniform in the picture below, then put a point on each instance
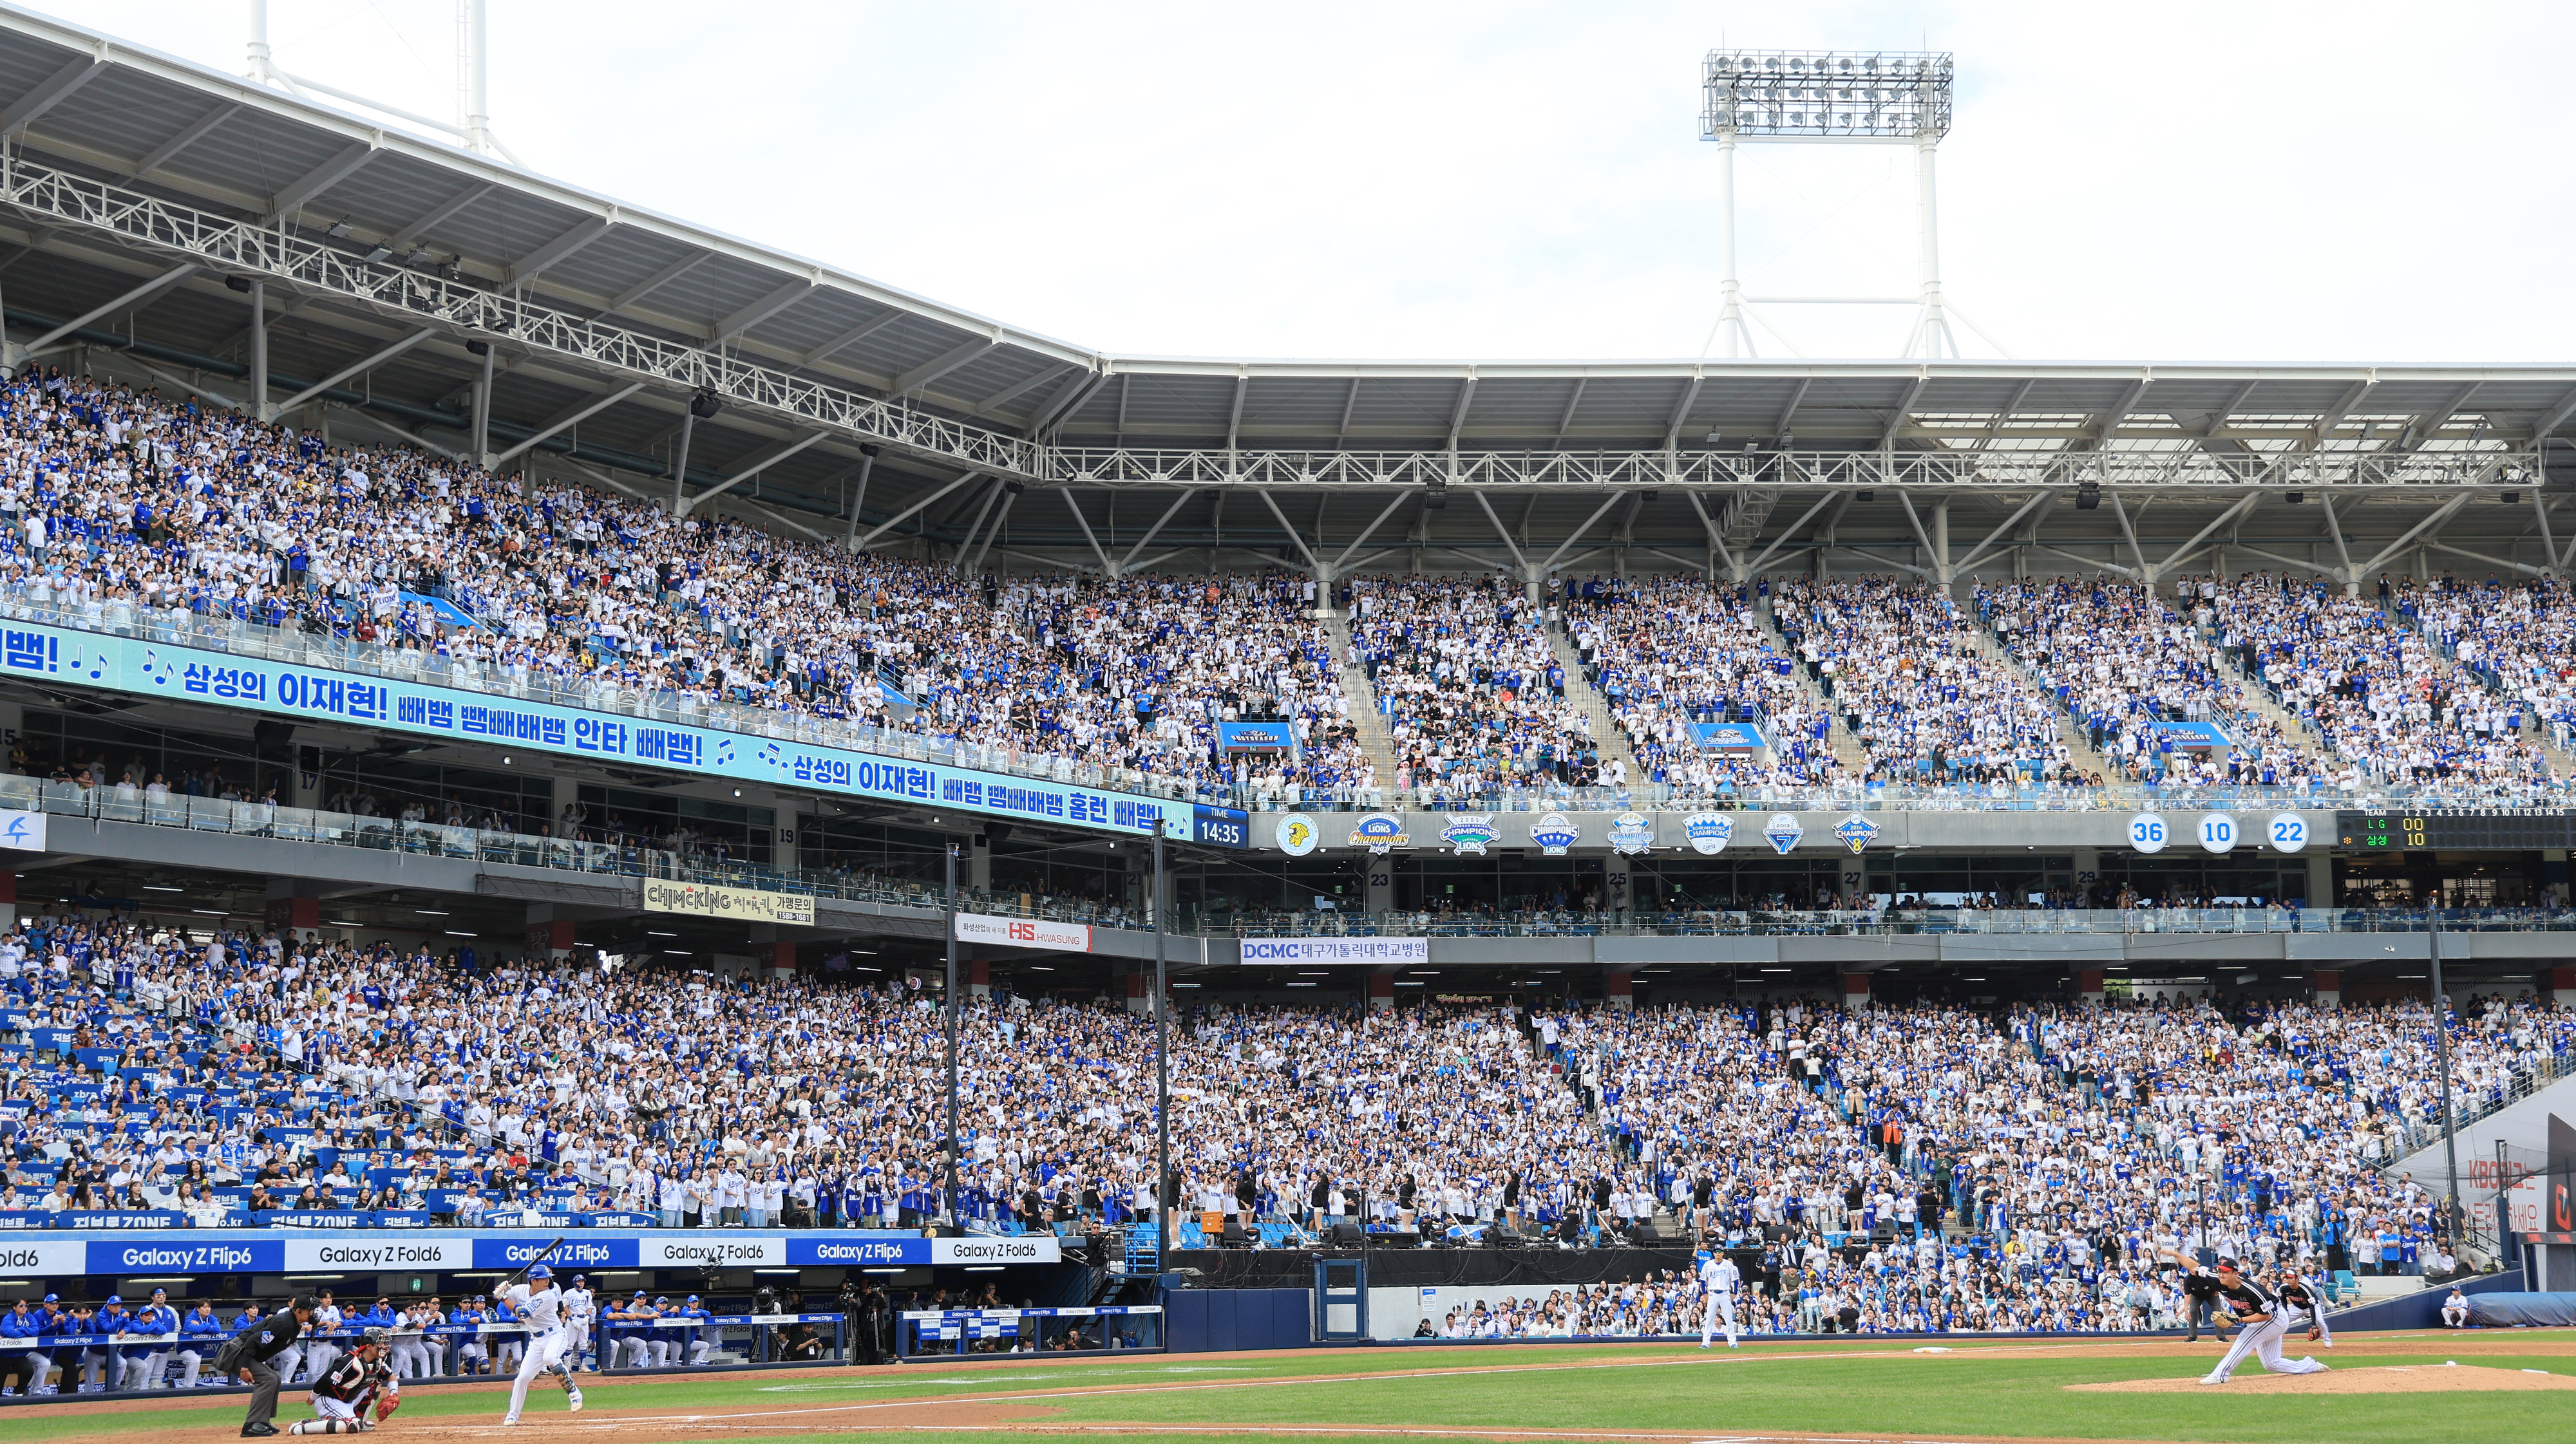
(580, 1307)
(542, 1311)
(1718, 1278)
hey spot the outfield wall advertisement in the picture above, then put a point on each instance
(373, 1251)
(160, 669)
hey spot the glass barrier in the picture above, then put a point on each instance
(471, 844)
(2022, 922)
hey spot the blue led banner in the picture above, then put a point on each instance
(1728, 736)
(160, 669)
(1255, 737)
(2194, 734)
(203, 1251)
(1210, 826)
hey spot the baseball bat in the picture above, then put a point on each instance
(539, 1257)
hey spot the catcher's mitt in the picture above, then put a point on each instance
(386, 1406)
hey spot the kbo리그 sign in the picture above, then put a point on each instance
(1024, 933)
(318, 694)
(706, 901)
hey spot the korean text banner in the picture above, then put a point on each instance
(188, 674)
(1024, 933)
(1336, 950)
(743, 904)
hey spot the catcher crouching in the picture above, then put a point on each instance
(341, 1397)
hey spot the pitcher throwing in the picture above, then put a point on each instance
(540, 1305)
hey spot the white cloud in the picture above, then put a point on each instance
(2373, 182)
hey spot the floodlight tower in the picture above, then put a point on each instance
(472, 127)
(1882, 97)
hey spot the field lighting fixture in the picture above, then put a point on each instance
(1846, 97)
(472, 127)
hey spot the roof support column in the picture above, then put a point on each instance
(482, 405)
(259, 350)
(859, 496)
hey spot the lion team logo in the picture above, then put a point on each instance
(1297, 834)
(1554, 833)
(1380, 833)
(1470, 834)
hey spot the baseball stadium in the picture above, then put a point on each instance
(614, 830)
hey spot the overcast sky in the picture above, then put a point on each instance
(2361, 182)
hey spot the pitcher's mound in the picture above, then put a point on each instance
(2399, 1379)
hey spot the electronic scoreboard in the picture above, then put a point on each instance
(2398, 830)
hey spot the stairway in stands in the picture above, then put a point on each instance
(1844, 742)
(1606, 732)
(2079, 745)
(1375, 740)
(2261, 700)
(2560, 762)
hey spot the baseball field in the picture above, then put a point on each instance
(2418, 1388)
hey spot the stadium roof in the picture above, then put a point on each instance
(126, 164)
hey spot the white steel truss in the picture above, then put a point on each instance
(1839, 470)
(273, 252)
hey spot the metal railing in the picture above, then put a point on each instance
(1772, 922)
(1960, 798)
(124, 803)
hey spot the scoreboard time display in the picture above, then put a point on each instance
(2400, 831)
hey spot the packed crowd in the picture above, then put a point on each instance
(2121, 661)
(116, 504)
(1671, 654)
(2520, 636)
(1185, 656)
(2013, 1166)
(1898, 663)
(119, 506)
(2394, 690)
(1473, 693)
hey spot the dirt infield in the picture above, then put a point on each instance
(2400, 1379)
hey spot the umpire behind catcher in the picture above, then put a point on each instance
(246, 1354)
